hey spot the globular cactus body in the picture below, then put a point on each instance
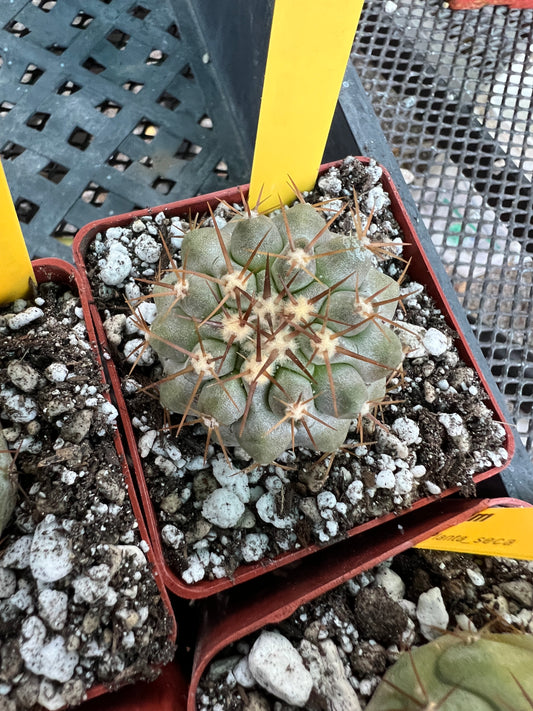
(275, 332)
(461, 672)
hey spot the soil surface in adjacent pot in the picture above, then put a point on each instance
(436, 432)
(79, 605)
(359, 629)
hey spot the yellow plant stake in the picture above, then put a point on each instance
(310, 44)
(15, 264)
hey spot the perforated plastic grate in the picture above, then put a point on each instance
(453, 92)
(102, 109)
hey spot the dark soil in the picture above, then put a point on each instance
(370, 628)
(73, 478)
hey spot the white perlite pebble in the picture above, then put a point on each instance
(51, 660)
(19, 408)
(432, 614)
(172, 536)
(56, 372)
(254, 546)
(116, 267)
(25, 317)
(355, 491)
(53, 608)
(222, 508)
(147, 249)
(50, 554)
(243, 675)
(435, 342)
(392, 583)
(137, 351)
(8, 582)
(17, 555)
(231, 479)
(406, 429)
(266, 508)
(278, 667)
(385, 479)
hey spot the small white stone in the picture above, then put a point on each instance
(432, 614)
(146, 442)
(326, 500)
(406, 429)
(195, 572)
(266, 508)
(254, 546)
(147, 249)
(435, 342)
(278, 667)
(116, 266)
(23, 375)
(231, 479)
(222, 508)
(385, 479)
(138, 351)
(53, 606)
(355, 491)
(8, 582)
(242, 674)
(391, 582)
(51, 660)
(433, 489)
(172, 536)
(17, 555)
(56, 372)
(25, 318)
(476, 576)
(50, 554)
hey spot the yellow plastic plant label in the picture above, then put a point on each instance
(15, 264)
(506, 532)
(310, 43)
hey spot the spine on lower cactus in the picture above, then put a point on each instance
(274, 331)
(478, 672)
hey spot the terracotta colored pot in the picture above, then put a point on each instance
(420, 269)
(167, 693)
(256, 605)
(478, 4)
(61, 272)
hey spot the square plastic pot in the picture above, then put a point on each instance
(420, 269)
(61, 272)
(254, 606)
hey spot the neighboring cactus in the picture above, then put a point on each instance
(275, 332)
(8, 486)
(461, 672)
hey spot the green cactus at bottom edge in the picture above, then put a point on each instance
(461, 672)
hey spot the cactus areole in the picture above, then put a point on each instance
(275, 332)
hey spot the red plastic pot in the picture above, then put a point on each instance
(61, 272)
(420, 269)
(478, 4)
(256, 605)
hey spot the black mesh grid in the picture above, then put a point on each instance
(102, 109)
(453, 92)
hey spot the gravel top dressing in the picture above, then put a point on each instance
(434, 431)
(333, 652)
(79, 606)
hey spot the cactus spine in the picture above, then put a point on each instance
(275, 332)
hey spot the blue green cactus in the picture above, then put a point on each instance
(275, 332)
(461, 671)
